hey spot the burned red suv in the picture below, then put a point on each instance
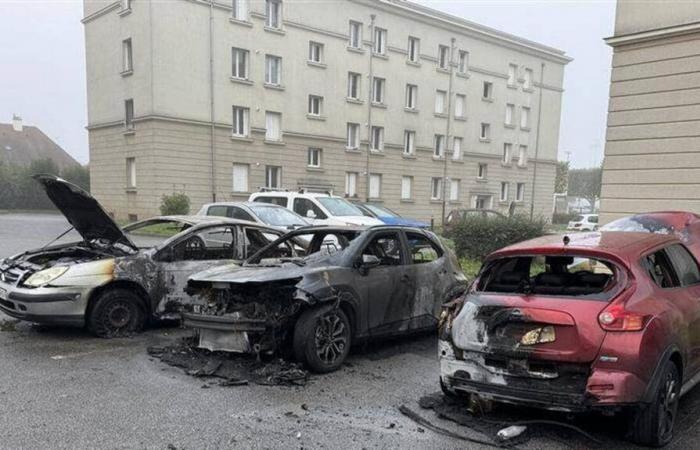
(594, 321)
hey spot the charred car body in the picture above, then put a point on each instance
(317, 290)
(115, 279)
(596, 321)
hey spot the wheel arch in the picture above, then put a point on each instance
(120, 284)
(672, 354)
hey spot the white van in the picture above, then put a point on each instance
(317, 208)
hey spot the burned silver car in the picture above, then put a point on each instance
(317, 290)
(115, 279)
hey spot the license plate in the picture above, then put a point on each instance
(3, 294)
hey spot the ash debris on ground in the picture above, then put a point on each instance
(8, 325)
(229, 369)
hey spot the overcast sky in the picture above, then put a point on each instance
(42, 63)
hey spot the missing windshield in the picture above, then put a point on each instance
(302, 246)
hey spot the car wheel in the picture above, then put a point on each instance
(322, 339)
(653, 423)
(117, 313)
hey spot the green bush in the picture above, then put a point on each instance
(477, 236)
(174, 204)
(563, 218)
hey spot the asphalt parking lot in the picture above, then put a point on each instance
(62, 388)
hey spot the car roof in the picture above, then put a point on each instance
(244, 204)
(293, 194)
(623, 244)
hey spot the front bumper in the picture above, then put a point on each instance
(229, 333)
(48, 305)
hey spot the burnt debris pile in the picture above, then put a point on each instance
(230, 369)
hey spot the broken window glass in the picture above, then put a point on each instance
(422, 249)
(387, 248)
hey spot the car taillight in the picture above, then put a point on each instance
(616, 318)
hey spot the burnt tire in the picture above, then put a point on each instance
(116, 313)
(652, 424)
(322, 339)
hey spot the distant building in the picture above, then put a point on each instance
(21, 144)
(379, 99)
(652, 153)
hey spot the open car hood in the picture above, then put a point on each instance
(82, 211)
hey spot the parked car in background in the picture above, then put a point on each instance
(602, 321)
(317, 208)
(318, 290)
(457, 215)
(263, 213)
(388, 216)
(583, 222)
(115, 279)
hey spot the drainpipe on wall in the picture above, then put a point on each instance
(369, 105)
(447, 132)
(211, 99)
(537, 145)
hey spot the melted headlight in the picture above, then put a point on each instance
(45, 276)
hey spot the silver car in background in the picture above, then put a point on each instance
(268, 214)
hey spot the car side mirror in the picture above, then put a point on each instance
(368, 262)
(310, 214)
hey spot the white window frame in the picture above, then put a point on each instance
(460, 106)
(463, 66)
(239, 183)
(487, 90)
(440, 101)
(485, 131)
(520, 192)
(522, 155)
(378, 90)
(443, 57)
(351, 184)
(277, 172)
(507, 155)
(377, 138)
(512, 74)
(127, 56)
(314, 157)
(380, 37)
(409, 142)
(354, 81)
(241, 119)
(273, 133)
(355, 35)
(457, 148)
(436, 188)
(131, 173)
(524, 117)
(527, 79)
(273, 70)
(315, 105)
(510, 114)
(454, 189)
(406, 187)
(411, 96)
(482, 171)
(239, 10)
(439, 146)
(353, 136)
(375, 185)
(316, 52)
(413, 50)
(505, 187)
(273, 14)
(129, 114)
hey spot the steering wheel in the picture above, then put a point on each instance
(194, 246)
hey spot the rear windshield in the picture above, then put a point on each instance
(555, 275)
(278, 217)
(339, 206)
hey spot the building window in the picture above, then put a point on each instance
(240, 9)
(527, 82)
(354, 85)
(409, 142)
(351, 184)
(273, 177)
(355, 35)
(463, 65)
(524, 117)
(454, 189)
(507, 153)
(273, 126)
(378, 90)
(440, 97)
(315, 52)
(127, 58)
(375, 185)
(314, 157)
(273, 70)
(460, 102)
(482, 201)
(240, 121)
(240, 63)
(129, 114)
(379, 41)
(504, 191)
(315, 105)
(273, 9)
(456, 148)
(353, 136)
(131, 173)
(510, 112)
(522, 156)
(439, 150)
(377, 138)
(443, 56)
(482, 171)
(485, 132)
(487, 92)
(406, 188)
(520, 192)
(512, 74)
(411, 96)
(435, 188)
(240, 177)
(413, 49)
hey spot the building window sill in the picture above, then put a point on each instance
(352, 150)
(408, 156)
(356, 101)
(130, 190)
(245, 81)
(407, 200)
(435, 201)
(442, 70)
(275, 87)
(487, 99)
(380, 55)
(129, 131)
(482, 180)
(355, 49)
(524, 128)
(127, 73)
(485, 140)
(318, 64)
(458, 160)
(376, 152)
(316, 117)
(455, 202)
(440, 115)
(411, 110)
(413, 63)
(241, 138)
(461, 118)
(314, 169)
(522, 166)
(279, 143)
(509, 125)
(463, 74)
(512, 86)
(273, 30)
(245, 23)
(438, 158)
(125, 12)
(379, 105)
(520, 202)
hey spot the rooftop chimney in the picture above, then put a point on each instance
(16, 122)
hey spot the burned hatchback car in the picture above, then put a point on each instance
(318, 290)
(115, 279)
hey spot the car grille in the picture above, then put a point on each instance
(12, 275)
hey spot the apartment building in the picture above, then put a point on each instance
(383, 100)
(652, 151)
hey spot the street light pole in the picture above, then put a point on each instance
(447, 133)
(537, 144)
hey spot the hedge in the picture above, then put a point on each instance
(477, 236)
(175, 204)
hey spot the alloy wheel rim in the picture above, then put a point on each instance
(330, 338)
(668, 407)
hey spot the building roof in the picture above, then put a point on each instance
(22, 147)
